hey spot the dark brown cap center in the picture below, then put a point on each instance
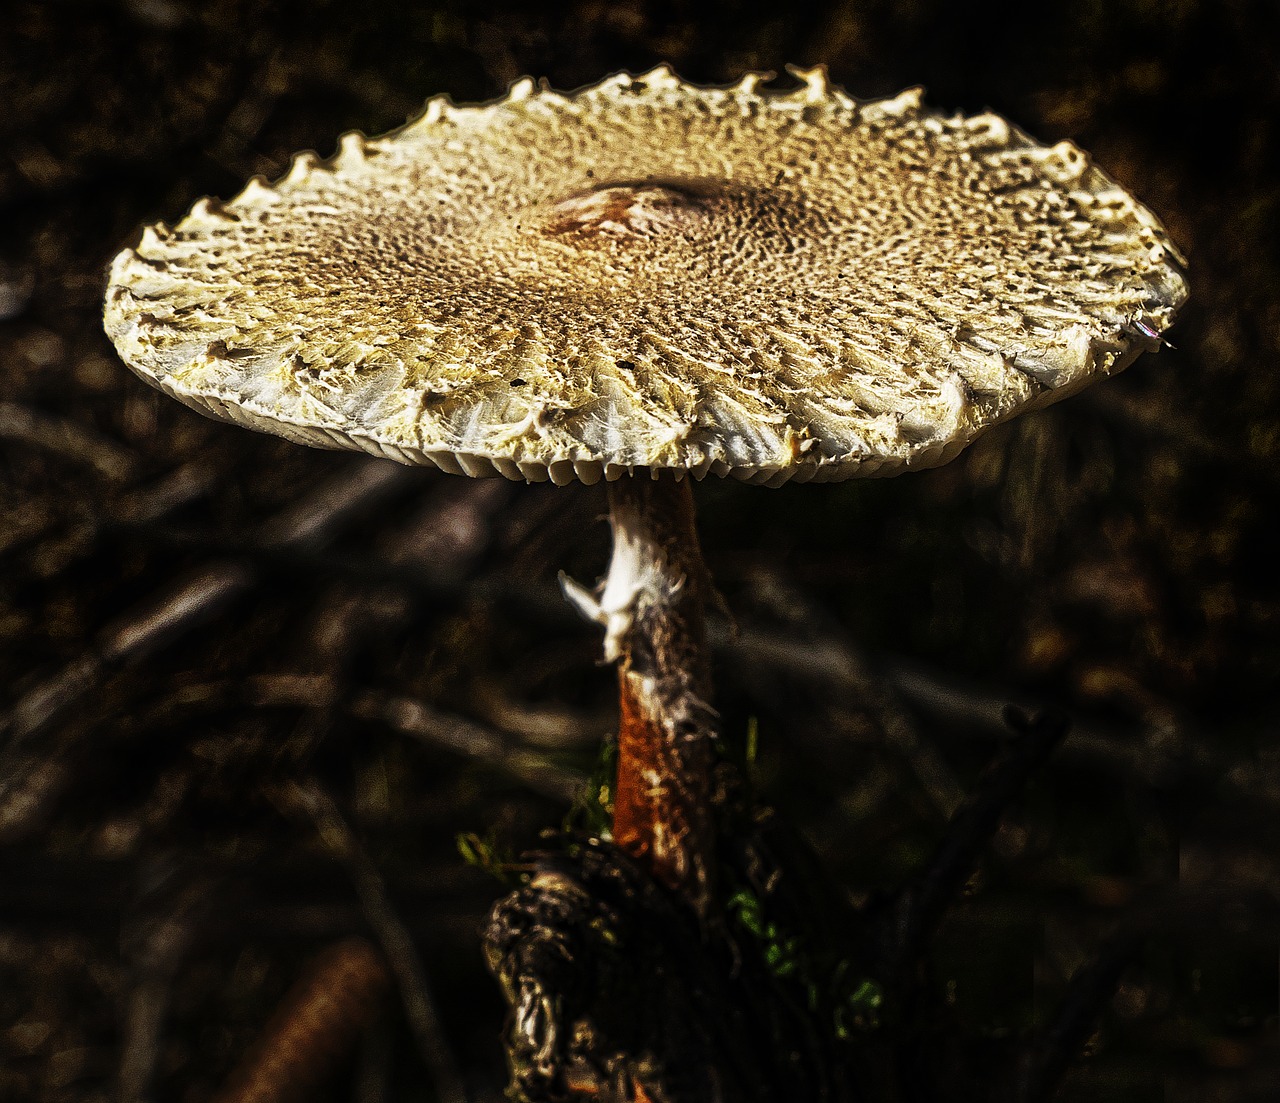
(630, 209)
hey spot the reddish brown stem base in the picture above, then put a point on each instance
(652, 817)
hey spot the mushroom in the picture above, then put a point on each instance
(647, 280)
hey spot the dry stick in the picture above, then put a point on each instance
(188, 602)
(419, 1004)
(418, 720)
(651, 606)
(373, 1068)
(469, 509)
(546, 725)
(1157, 755)
(832, 656)
(66, 438)
(155, 500)
(140, 506)
(920, 907)
(467, 737)
(1088, 991)
(155, 961)
(29, 787)
(448, 535)
(315, 1027)
(32, 777)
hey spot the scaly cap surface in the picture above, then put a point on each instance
(647, 273)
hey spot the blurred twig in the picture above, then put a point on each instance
(185, 603)
(1049, 1054)
(167, 615)
(424, 1019)
(155, 947)
(66, 439)
(834, 660)
(422, 721)
(919, 907)
(147, 502)
(314, 1028)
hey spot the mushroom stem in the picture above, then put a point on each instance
(651, 605)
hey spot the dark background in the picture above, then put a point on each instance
(198, 624)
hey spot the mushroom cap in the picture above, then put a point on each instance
(650, 274)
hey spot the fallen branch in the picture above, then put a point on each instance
(393, 935)
(178, 608)
(32, 775)
(66, 439)
(314, 1028)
